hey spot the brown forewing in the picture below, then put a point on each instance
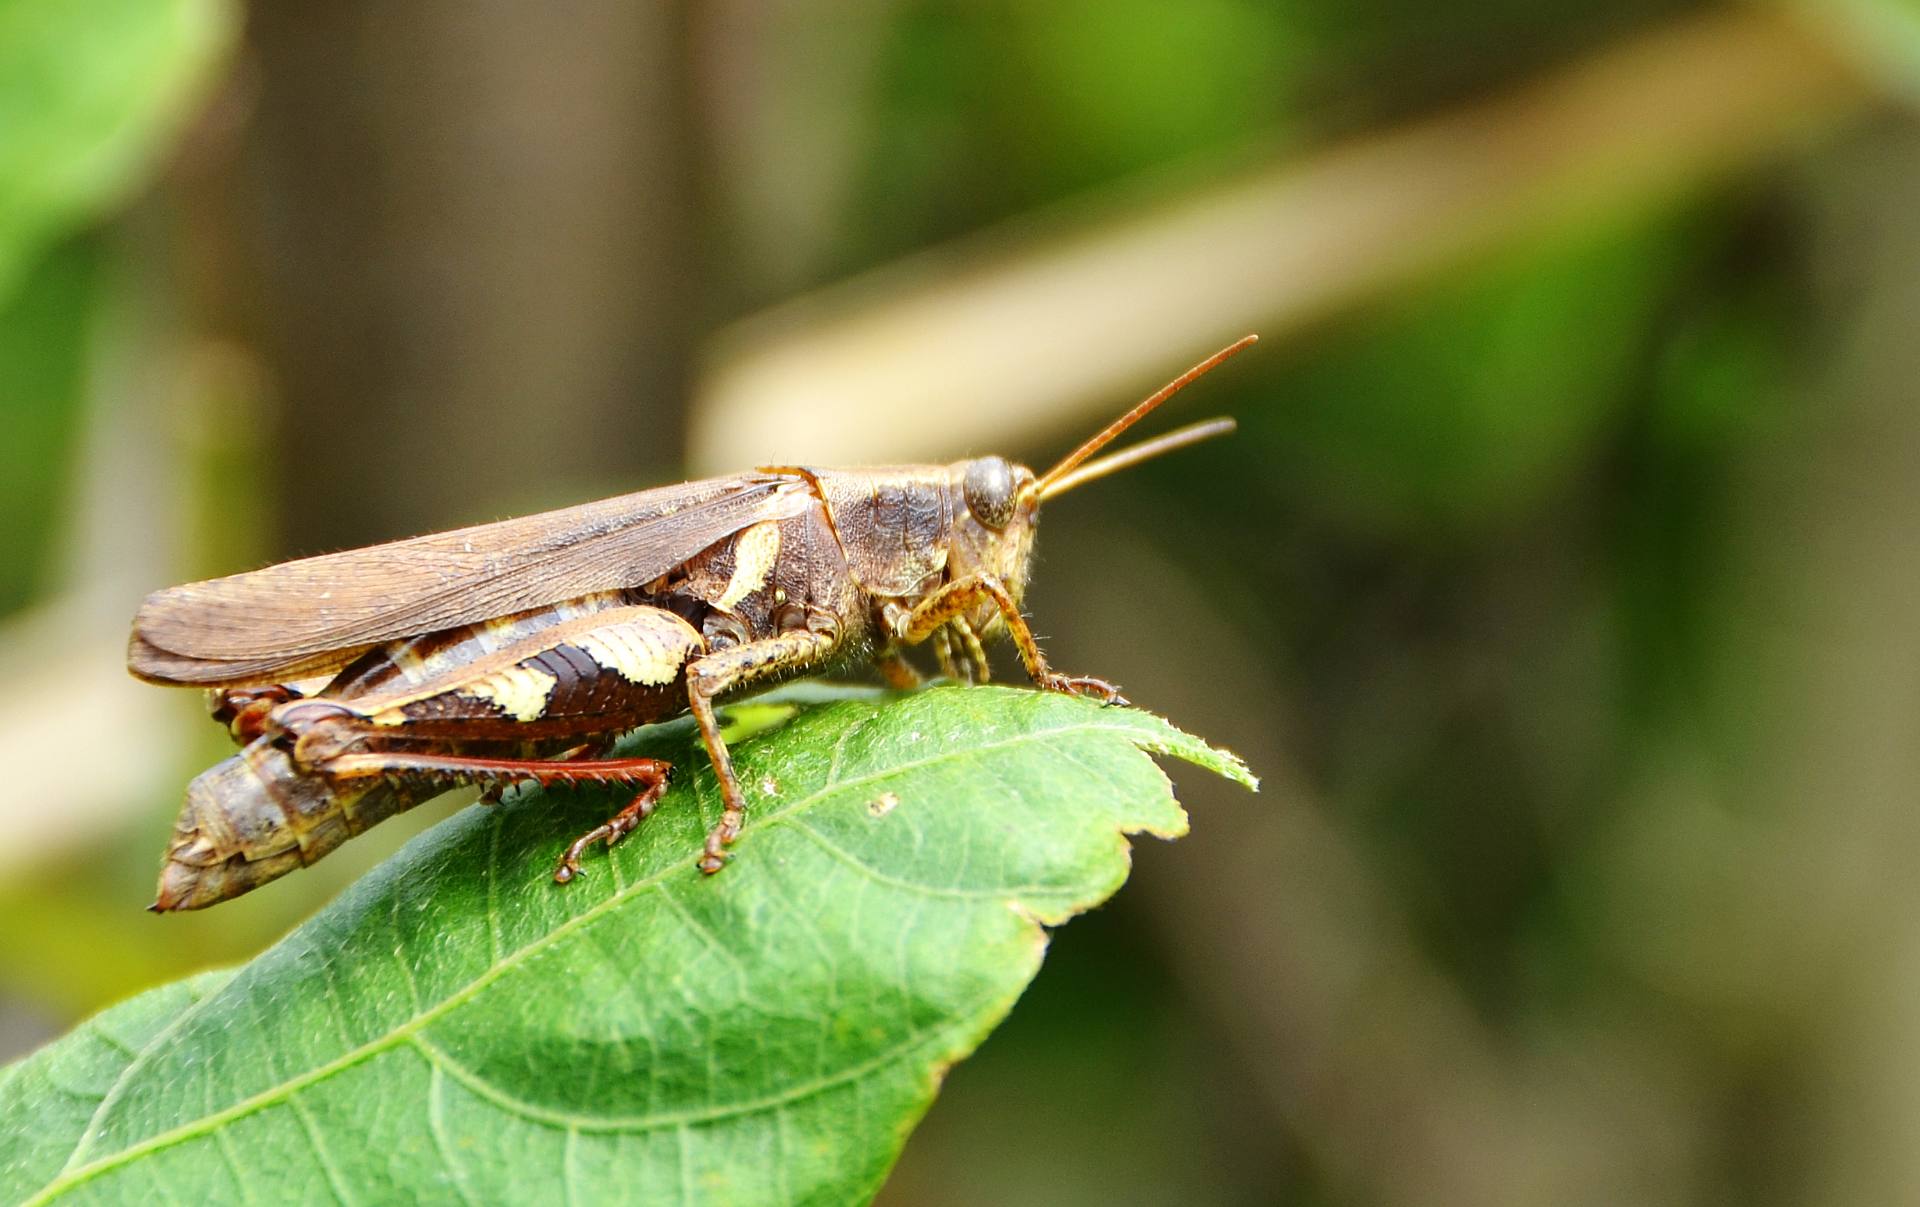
(316, 613)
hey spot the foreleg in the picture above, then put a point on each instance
(957, 599)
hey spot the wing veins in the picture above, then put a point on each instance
(285, 617)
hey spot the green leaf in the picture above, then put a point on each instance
(89, 93)
(43, 363)
(457, 1027)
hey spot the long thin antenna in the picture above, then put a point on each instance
(1106, 434)
(1178, 438)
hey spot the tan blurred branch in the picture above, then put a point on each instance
(1004, 339)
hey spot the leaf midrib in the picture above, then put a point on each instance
(533, 1112)
(71, 1177)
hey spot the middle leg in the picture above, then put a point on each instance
(957, 599)
(732, 667)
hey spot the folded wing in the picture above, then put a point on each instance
(314, 615)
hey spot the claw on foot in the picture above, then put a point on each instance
(720, 838)
(1084, 685)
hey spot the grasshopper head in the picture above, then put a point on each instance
(995, 503)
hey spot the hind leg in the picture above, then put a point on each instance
(612, 830)
(650, 774)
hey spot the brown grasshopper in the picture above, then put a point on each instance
(518, 651)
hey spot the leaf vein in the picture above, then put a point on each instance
(437, 1126)
(308, 1124)
(920, 888)
(111, 1040)
(567, 1176)
(706, 934)
(685, 1139)
(98, 1117)
(400, 954)
(533, 1112)
(232, 1159)
(493, 882)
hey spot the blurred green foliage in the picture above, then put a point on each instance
(986, 113)
(90, 95)
(44, 327)
(1458, 407)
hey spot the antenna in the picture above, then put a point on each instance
(1106, 434)
(1178, 438)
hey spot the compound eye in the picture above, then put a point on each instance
(989, 491)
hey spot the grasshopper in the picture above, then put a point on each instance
(359, 684)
